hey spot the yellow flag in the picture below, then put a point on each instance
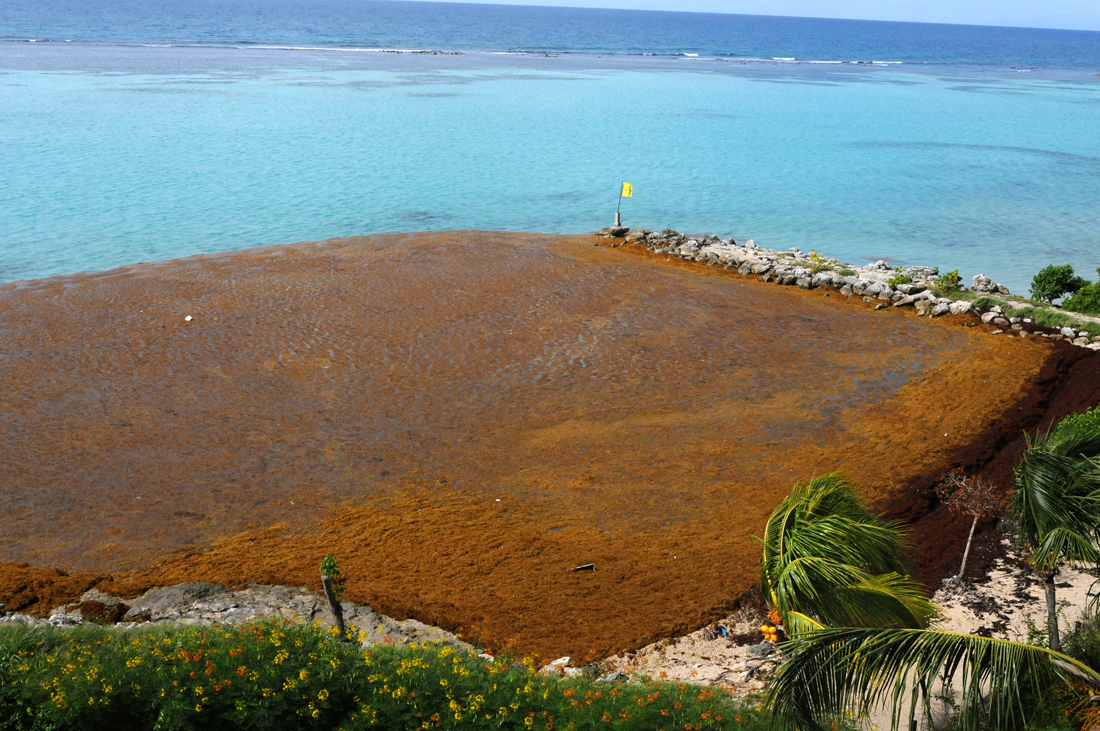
(628, 190)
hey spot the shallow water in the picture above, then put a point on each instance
(114, 154)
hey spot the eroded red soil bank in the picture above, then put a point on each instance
(462, 417)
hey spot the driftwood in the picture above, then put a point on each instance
(334, 605)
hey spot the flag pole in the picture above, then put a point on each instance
(620, 205)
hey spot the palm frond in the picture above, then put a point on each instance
(831, 672)
(1063, 543)
(828, 559)
(1057, 500)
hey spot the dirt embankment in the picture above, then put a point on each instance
(1068, 383)
(462, 417)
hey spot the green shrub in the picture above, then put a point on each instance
(1053, 282)
(817, 262)
(847, 272)
(1086, 299)
(274, 675)
(899, 278)
(331, 569)
(946, 283)
(1083, 641)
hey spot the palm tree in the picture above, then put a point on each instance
(828, 562)
(832, 672)
(1057, 506)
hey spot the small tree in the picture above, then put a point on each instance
(1057, 504)
(1053, 282)
(334, 584)
(1085, 300)
(971, 496)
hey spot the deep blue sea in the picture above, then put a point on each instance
(143, 130)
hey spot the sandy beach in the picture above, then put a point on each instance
(462, 417)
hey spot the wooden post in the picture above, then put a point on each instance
(334, 605)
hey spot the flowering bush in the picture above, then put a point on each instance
(297, 676)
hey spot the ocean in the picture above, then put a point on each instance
(139, 131)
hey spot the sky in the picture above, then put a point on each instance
(1070, 14)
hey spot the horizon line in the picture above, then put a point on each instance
(570, 6)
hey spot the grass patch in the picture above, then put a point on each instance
(1037, 314)
(294, 676)
(1048, 318)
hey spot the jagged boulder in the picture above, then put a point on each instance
(982, 284)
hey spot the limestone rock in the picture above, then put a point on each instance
(556, 666)
(961, 307)
(613, 232)
(982, 284)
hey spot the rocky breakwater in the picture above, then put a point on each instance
(214, 604)
(920, 287)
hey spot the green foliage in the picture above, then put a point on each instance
(1087, 422)
(331, 569)
(272, 675)
(1083, 642)
(832, 672)
(1053, 282)
(817, 262)
(1085, 300)
(899, 278)
(946, 283)
(847, 272)
(828, 562)
(1057, 498)
(1051, 318)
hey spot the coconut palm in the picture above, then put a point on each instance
(828, 562)
(833, 672)
(830, 672)
(1057, 505)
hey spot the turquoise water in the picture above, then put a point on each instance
(111, 154)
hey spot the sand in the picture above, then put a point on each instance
(461, 417)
